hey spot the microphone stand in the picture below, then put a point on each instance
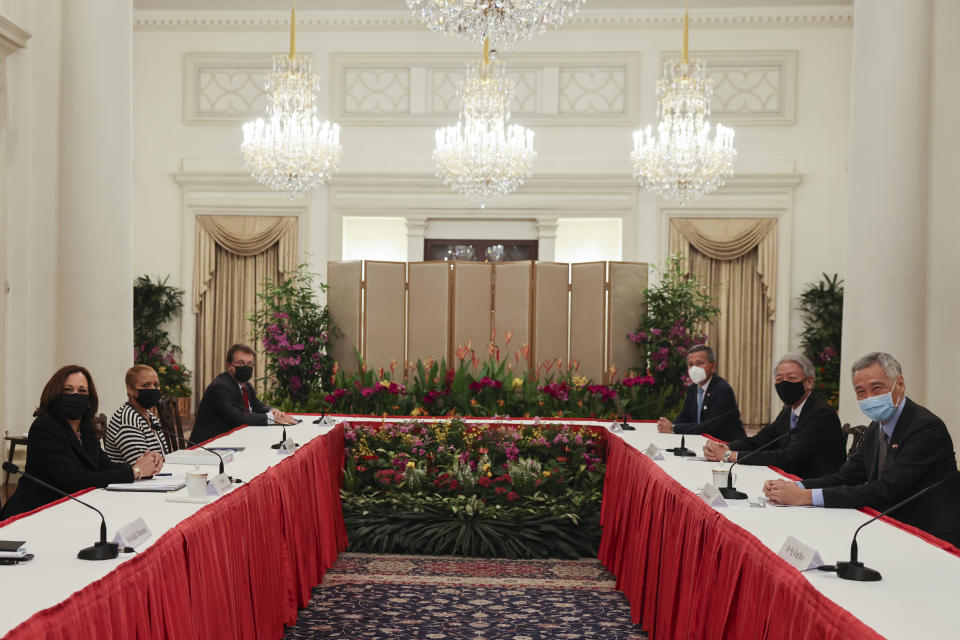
(323, 414)
(283, 439)
(682, 450)
(854, 569)
(101, 550)
(213, 451)
(729, 492)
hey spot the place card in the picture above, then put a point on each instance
(800, 555)
(287, 447)
(654, 452)
(219, 484)
(328, 421)
(133, 534)
(711, 495)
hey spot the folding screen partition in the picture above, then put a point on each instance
(394, 313)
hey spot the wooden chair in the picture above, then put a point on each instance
(857, 433)
(12, 442)
(169, 414)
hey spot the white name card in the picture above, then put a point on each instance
(133, 534)
(711, 495)
(654, 452)
(800, 555)
(287, 447)
(219, 484)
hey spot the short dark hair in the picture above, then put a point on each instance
(242, 348)
(54, 387)
(711, 356)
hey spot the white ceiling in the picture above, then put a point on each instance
(386, 5)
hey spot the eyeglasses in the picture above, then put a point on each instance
(242, 363)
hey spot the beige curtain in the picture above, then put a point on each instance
(235, 254)
(737, 259)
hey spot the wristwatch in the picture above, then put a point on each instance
(136, 473)
(726, 455)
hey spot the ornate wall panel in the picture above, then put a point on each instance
(750, 87)
(224, 88)
(594, 89)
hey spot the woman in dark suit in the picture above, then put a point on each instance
(63, 448)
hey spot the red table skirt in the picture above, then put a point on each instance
(238, 568)
(688, 572)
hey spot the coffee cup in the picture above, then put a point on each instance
(196, 483)
(720, 476)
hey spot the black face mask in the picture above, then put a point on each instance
(242, 374)
(73, 405)
(790, 392)
(147, 398)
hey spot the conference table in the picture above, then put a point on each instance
(243, 564)
(690, 570)
(237, 567)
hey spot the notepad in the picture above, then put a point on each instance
(159, 485)
(12, 548)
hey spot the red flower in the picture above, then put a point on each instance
(361, 469)
(483, 481)
(563, 459)
(513, 495)
(370, 457)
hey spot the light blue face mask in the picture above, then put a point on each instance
(879, 408)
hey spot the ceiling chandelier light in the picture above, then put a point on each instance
(682, 162)
(291, 150)
(482, 156)
(504, 22)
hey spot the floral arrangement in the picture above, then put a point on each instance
(294, 331)
(155, 304)
(678, 306)
(490, 489)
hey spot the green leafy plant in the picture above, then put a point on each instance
(295, 331)
(506, 490)
(156, 303)
(676, 310)
(821, 311)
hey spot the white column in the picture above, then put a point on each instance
(416, 232)
(546, 239)
(95, 301)
(943, 258)
(885, 297)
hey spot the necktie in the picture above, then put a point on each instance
(246, 398)
(883, 443)
(793, 420)
(699, 402)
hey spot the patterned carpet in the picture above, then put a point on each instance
(394, 597)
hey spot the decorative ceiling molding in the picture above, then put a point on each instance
(12, 37)
(839, 16)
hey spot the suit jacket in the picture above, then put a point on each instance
(56, 456)
(919, 454)
(719, 417)
(814, 448)
(221, 409)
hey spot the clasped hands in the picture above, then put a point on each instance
(149, 464)
(283, 418)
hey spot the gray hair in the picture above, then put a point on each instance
(800, 359)
(890, 365)
(711, 356)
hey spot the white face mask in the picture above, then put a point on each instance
(697, 374)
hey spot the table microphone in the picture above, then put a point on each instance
(855, 570)
(283, 438)
(101, 550)
(194, 444)
(729, 492)
(682, 450)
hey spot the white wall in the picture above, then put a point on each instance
(814, 146)
(31, 175)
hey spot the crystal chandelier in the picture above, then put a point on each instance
(504, 22)
(482, 156)
(291, 150)
(682, 162)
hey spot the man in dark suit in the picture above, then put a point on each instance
(905, 449)
(815, 445)
(230, 400)
(710, 407)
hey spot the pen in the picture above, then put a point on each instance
(162, 474)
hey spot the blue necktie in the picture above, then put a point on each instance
(699, 402)
(793, 420)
